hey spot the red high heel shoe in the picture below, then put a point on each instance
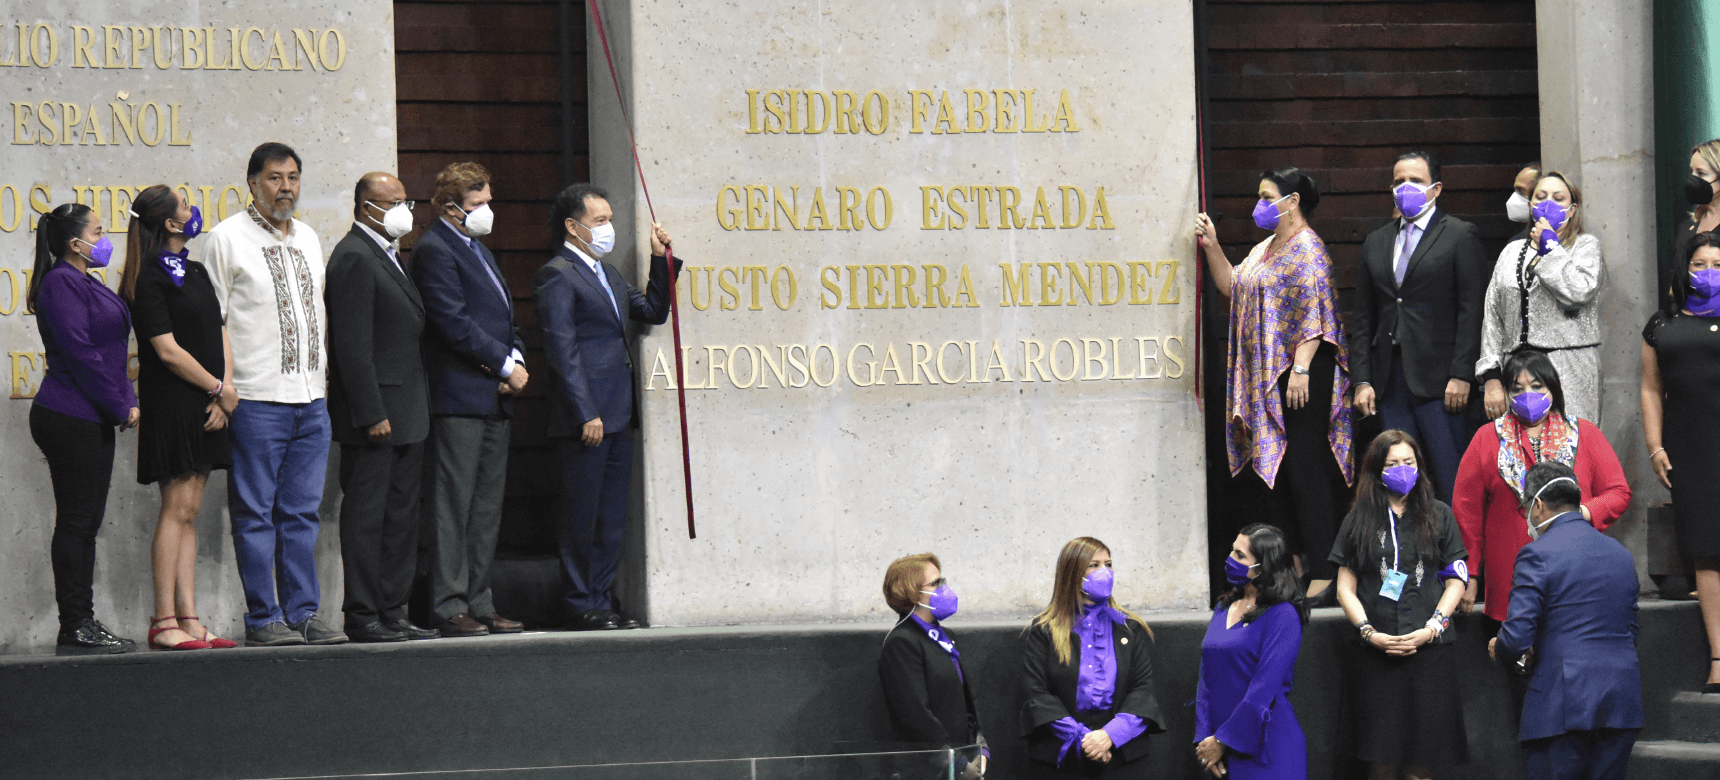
(189, 644)
(214, 641)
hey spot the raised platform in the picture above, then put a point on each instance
(560, 699)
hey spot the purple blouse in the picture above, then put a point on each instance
(86, 331)
(1096, 683)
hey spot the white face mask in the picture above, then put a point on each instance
(396, 221)
(1517, 208)
(602, 240)
(479, 220)
(1534, 529)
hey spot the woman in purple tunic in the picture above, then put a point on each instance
(1088, 682)
(85, 330)
(1244, 727)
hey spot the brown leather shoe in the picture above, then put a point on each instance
(463, 625)
(501, 625)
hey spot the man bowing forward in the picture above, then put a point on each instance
(584, 305)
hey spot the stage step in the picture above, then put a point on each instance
(1675, 760)
(1696, 717)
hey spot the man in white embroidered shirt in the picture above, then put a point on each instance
(268, 273)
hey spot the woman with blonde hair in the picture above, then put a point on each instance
(1545, 296)
(1702, 192)
(1088, 677)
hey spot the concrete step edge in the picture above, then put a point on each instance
(1675, 750)
(1696, 699)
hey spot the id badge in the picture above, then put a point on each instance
(1392, 587)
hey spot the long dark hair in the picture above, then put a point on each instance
(1538, 366)
(1681, 272)
(1276, 583)
(147, 234)
(53, 232)
(1373, 499)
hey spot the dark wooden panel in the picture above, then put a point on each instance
(1361, 61)
(481, 81)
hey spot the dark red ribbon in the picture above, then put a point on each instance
(674, 307)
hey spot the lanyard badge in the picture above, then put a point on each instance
(1392, 585)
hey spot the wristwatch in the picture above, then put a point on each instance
(1303, 370)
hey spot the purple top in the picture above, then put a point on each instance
(1246, 673)
(1096, 683)
(86, 331)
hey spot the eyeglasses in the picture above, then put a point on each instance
(392, 203)
(935, 584)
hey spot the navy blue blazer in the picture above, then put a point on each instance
(471, 323)
(1573, 599)
(585, 341)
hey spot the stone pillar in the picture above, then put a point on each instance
(1596, 64)
(856, 362)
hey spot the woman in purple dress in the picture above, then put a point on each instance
(1089, 700)
(1244, 727)
(1285, 416)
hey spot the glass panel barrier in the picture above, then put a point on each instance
(950, 764)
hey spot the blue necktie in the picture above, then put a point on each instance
(603, 279)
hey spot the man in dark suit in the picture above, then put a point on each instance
(476, 362)
(1573, 610)
(378, 403)
(584, 305)
(1416, 328)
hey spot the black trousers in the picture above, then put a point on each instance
(594, 493)
(379, 528)
(1309, 498)
(80, 465)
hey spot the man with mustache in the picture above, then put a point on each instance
(268, 273)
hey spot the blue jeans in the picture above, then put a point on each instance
(280, 460)
(1443, 436)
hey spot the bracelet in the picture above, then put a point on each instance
(1302, 370)
(1367, 630)
(220, 384)
(1656, 452)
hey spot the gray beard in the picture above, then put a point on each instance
(282, 215)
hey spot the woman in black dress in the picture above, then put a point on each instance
(1402, 571)
(185, 380)
(1680, 409)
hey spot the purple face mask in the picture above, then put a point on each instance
(1704, 297)
(194, 225)
(1551, 211)
(942, 602)
(1411, 199)
(1098, 585)
(1266, 214)
(1530, 406)
(1400, 479)
(101, 252)
(1236, 572)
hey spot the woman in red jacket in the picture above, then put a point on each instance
(1489, 490)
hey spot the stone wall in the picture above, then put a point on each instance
(109, 100)
(863, 379)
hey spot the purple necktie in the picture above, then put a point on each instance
(1406, 247)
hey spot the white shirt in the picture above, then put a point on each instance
(270, 288)
(389, 248)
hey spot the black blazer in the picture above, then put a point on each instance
(1048, 690)
(1435, 316)
(375, 332)
(930, 704)
(472, 329)
(590, 359)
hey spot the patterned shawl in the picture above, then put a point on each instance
(1277, 302)
(1519, 452)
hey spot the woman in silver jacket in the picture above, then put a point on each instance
(1545, 295)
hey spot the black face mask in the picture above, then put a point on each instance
(1698, 191)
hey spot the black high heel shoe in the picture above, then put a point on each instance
(1711, 687)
